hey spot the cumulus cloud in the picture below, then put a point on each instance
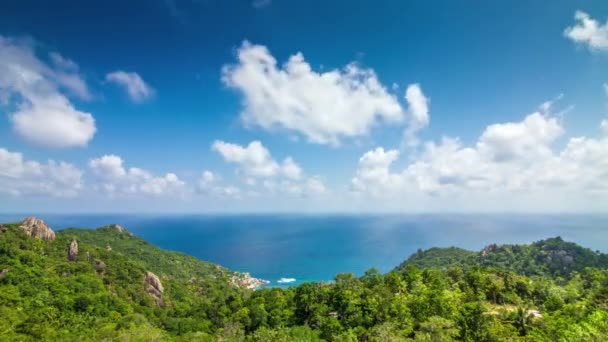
(255, 162)
(418, 109)
(373, 174)
(211, 184)
(137, 89)
(27, 177)
(527, 139)
(507, 158)
(325, 107)
(31, 91)
(314, 185)
(309, 187)
(291, 169)
(588, 31)
(115, 179)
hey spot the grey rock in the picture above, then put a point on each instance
(35, 227)
(117, 228)
(73, 251)
(100, 266)
(154, 287)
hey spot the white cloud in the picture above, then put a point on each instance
(515, 157)
(527, 139)
(418, 108)
(314, 185)
(26, 177)
(31, 91)
(373, 174)
(210, 184)
(588, 31)
(325, 107)
(254, 160)
(137, 89)
(604, 126)
(116, 180)
(63, 63)
(291, 169)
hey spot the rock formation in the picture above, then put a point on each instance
(154, 287)
(100, 266)
(489, 249)
(117, 228)
(3, 273)
(37, 228)
(3, 228)
(534, 314)
(246, 281)
(73, 251)
(108, 248)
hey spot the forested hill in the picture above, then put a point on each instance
(553, 257)
(83, 280)
(109, 285)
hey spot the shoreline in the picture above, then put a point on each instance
(245, 280)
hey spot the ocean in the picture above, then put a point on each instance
(291, 249)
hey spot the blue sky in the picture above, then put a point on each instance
(386, 106)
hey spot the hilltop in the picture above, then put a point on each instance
(552, 257)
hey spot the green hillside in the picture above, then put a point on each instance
(108, 285)
(43, 295)
(441, 257)
(552, 257)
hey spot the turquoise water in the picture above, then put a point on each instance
(315, 248)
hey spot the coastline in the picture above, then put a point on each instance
(245, 280)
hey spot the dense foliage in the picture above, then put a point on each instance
(441, 257)
(550, 257)
(504, 293)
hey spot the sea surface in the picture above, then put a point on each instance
(291, 249)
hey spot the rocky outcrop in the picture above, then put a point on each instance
(534, 314)
(3, 228)
(117, 228)
(3, 273)
(489, 249)
(560, 257)
(246, 281)
(100, 266)
(108, 248)
(154, 287)
(73, 251)
(35, 227)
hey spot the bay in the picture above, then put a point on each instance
(291, 249)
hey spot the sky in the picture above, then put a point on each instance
(209, 106)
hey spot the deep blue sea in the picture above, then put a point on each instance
(315, 248)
